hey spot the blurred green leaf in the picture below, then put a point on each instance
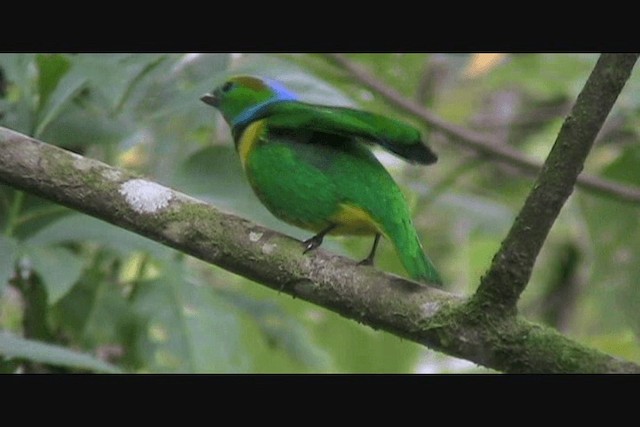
(214, 172)
(187, 327)
(21, 74)
(40, 102)
(35, 213)
(343, 346)
(96, 312)
(479, 212)
(175, 86)
(79, 227)
(16, 347)
(623, 344)
(114, 76)
(8, 258)
(86, 125)
(543, 75)
(282, 331)
(51, 68)
(400, 70)
(359, 349)
(57, 267)
(65, 91)
(8, 366)
(615, 228)
(480, 253)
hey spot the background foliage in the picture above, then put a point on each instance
(77, 294)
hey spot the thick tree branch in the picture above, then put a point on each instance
(478, 142)
(439, 320)
(512, 265)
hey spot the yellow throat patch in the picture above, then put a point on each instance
(250, 136)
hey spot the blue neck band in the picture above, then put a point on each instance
(281, 93)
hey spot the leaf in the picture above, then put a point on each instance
(8, 366)
(58, 269)
(34, 213)
(21, 74)
(543, 75)
(281, 330)
(614, 229)
(214, 171)
(359, 349)
(115, 75)
(51, 68)
(623, 344)
(482, 213)
(478, 253)
(20, 348)
(83, 228)
(96, 312)
(188, 328)
(88, 124)
(8, 257)
(174, 89)
(68, 87)
(341, 345)
(57, 85)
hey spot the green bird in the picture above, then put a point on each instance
(310, 166)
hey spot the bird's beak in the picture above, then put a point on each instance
(209, 99)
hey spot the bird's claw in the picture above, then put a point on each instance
(367, 261)
(311, 243)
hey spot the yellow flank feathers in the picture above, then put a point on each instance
(250, 136)
(352, 219)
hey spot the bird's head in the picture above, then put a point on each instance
(240, 96)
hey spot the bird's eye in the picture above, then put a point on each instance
(227, 86)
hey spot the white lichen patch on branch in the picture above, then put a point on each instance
(430, 308)
(268, 248)
(145, 196)
(254, 236)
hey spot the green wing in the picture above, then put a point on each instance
(393, 135)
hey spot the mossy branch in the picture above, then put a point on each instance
(511, 268)
(434, 318)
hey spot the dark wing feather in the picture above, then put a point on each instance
(393, 135)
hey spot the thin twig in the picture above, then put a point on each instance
(477, 142)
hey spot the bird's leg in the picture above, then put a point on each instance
(369, 259)
(315, 241)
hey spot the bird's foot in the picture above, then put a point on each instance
(315, 241)
(366, 261)
(312, 243)
(369, 259)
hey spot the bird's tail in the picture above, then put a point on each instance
(412, 256)
(420, 267)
